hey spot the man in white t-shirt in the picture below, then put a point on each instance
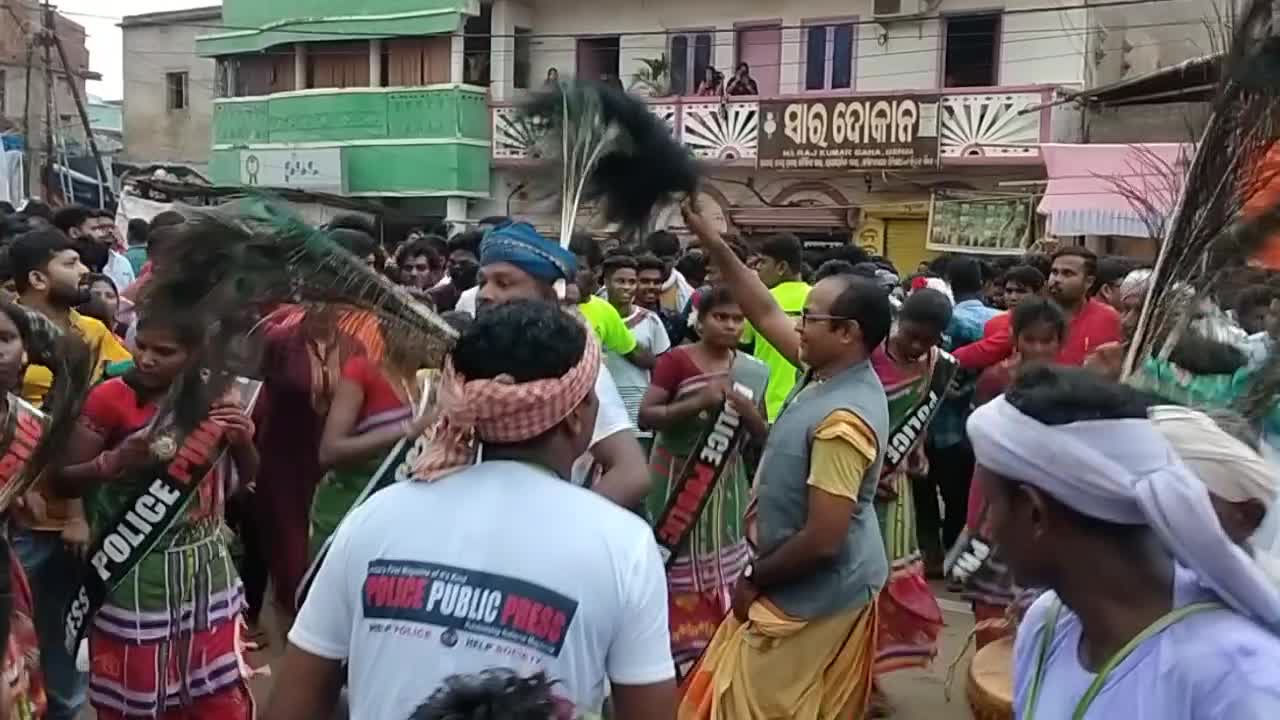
(496, 563)
(516, 263)
(620, 275)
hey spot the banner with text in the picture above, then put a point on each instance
(857, 133)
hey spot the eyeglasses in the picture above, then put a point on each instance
(806, 316)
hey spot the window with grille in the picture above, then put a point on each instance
(176, 96)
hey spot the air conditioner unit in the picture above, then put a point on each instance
(890, 9)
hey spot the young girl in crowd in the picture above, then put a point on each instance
(1038, 327)
(104, 302)
(690, 383)
(24, 337)
(164, 643)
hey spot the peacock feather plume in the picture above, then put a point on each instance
(258, 265)
(609, 149)
(1228, 208)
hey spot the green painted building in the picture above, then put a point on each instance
(358, 99)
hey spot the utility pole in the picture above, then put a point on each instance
(46, 34)
(26, 124)
(104, 180)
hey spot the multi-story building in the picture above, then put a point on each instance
(168, 90)
(868, 118)
(366, 100)
(871, 118)
(22, 75)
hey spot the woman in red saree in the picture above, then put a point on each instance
(20, 650)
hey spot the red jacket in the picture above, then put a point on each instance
(1096, 324)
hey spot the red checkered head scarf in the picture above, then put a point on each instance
(500, 410)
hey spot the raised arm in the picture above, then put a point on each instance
(766, 316)
(340, 444)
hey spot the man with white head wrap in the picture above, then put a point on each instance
(1153, 614)
(1133, 292)
(1241, 483)
(1220, 448)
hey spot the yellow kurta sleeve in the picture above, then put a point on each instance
(843, 448)
(111, 350)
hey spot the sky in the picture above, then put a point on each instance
(100, 20)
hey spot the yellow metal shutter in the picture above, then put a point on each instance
(904, 244)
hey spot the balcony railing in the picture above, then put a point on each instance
(975, 126)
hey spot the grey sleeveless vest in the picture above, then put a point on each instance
(860, 569)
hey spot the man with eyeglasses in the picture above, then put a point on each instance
(801, 639)
(97, 240)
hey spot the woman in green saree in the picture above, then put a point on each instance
(689, 385)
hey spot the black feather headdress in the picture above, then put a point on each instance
(611, 150)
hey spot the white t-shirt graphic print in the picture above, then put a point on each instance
(501, 564)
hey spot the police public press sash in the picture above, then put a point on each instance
(128, 538)
(20, 434)
(904, 436)
(716, 447)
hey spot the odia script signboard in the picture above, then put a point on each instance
(864, 133)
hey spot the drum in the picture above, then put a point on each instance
(990, 687)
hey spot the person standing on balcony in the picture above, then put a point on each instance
(712, 83)
(742, 83)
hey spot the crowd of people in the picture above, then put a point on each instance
(696, 479)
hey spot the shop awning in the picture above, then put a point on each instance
(801, 217)
(1091, 187)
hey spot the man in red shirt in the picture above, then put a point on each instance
(1090, 322)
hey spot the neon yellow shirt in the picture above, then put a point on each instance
(790, 296)
(604, 319)
(38, 378)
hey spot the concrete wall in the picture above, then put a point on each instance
(1172, 122)
(152, 132)
(1142, 38)
(1044, 47)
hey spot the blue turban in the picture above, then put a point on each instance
(520, 244)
